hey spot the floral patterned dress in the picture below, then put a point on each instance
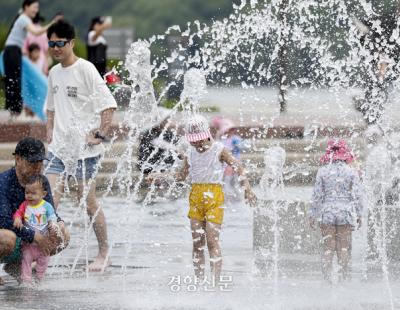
(338, 196)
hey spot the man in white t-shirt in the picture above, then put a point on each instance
(80, 109)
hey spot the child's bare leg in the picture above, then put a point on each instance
(343, 243)
(199, 243)
(329, 247)
(212, 235)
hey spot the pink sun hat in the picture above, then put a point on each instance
(216, 121)
(337, 150)
(197, 129)
(226, 125)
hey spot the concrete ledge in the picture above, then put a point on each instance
(11, 132)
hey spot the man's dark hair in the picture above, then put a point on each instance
(32, 47)
(62, 29)
(30, 149)
(94, 21)
(37, 178)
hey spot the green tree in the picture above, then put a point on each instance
(147, 17)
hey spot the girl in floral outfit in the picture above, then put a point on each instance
(336, 205)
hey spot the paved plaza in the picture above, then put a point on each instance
(151, 246)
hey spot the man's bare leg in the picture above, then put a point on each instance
(57, 187)
(7, 245)
(7, 242)
(96, 214)
(199, 243)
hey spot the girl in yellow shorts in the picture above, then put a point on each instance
(204, 164)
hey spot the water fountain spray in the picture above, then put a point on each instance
(272, 206)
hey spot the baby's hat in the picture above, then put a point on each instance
(197, 128)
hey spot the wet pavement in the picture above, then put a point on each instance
(151, 246)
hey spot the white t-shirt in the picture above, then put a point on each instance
(206, 167)
(99, 40)
(77, 94)
(19, 32)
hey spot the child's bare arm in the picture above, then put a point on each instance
(18, 223)
(184, 172)
(228, 158)
(19, 215)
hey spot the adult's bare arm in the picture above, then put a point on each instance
(98, 31)
(38, 32)
(105, 125)
(49, 126)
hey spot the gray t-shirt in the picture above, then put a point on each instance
(18, 32)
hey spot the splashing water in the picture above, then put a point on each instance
(143, 102)
(272, 179)
(251, 48)
(194, 89)
(272, 188)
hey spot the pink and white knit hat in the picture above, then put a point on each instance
(337, 150)
(197, 129)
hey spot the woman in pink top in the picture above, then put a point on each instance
(41, 41)
(12, 55)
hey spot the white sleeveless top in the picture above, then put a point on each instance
(206, 167)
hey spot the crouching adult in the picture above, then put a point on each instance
(29, 155)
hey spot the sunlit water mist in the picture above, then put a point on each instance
(272, 187)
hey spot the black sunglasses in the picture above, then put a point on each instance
(53, 44)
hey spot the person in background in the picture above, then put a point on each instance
(41, 42)
(379, 53)
(34, 55)
(152, 156)
(226, 134)
(157, 151)
(12, 56)
(97, 44)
